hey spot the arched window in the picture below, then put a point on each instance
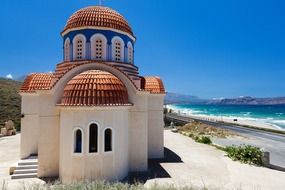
(67, 50)
(108, 140)
(130, 53)
(98, 47)
(93, 138)
(118, 49)
(79, 47)
(78, 141)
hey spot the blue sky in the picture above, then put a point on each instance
(206, 48)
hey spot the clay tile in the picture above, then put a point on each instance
(92, 88)
(100, 16)
(153, 85)
(37, 81)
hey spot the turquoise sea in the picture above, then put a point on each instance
(274, 115)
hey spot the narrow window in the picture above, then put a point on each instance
(99, 49)
(66, 50)
(130, 53)
(93, 138)
(108, 140)
(78, 142)
(117, 51)
(79, 49)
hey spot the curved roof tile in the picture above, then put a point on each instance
(153, 84)
(95, 88)
(37, 81)
(98, 16)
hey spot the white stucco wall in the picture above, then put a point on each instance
(29, 125)
(48, 146)
(138, 134)
(109, 166)
(155, 126)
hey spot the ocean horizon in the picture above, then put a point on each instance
(273, 115)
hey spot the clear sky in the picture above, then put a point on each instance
(221, 48)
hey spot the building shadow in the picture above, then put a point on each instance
(155, 170)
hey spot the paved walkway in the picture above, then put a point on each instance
(202, 165)
(9, 153)
(186, 163)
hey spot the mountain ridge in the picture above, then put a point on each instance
(176, 98)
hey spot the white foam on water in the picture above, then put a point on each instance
(177, 109)
(279, 124)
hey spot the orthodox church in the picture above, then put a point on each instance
(94, 117)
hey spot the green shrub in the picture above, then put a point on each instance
(18, 127)
(203, 139)
(245, 154)
(190, 135)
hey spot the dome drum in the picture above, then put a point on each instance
(98, 45)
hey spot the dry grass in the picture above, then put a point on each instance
(197, 128)
(97, 185)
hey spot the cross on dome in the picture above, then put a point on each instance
(100, 2)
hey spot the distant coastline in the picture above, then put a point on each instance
(270, 117)
(175, 98)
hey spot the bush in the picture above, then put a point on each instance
(18, 127)
(190, 135)
(203, 139)
(246, 154)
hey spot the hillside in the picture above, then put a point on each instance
(173, 98)
(10, 101)
(247, 100)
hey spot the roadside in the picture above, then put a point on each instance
(227, 135)
(276, 147)
(203, 165)
(186, 118)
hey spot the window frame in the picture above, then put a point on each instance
(74, 142)
(93, 40)
(130, 46)
(98, 138)
(67, 45)
(75, 48)
(116, 40)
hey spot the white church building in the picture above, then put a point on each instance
(94, 117)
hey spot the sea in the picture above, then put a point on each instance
(273, 115)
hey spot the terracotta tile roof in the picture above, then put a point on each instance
(37, 81)
(153, 84)
(98, 16)
(63, 68)
(95, 88)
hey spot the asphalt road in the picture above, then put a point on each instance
(270, 142)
